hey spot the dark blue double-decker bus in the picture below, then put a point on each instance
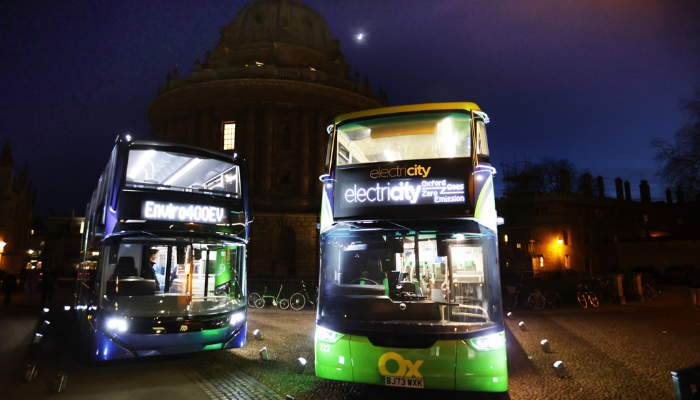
(163, 267)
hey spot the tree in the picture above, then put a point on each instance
(679, 162)
(547, 174)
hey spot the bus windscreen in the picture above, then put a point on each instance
(182, 172)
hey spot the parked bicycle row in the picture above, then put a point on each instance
(296, 301)
(588, 293)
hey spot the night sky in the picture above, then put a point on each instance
(588, 80)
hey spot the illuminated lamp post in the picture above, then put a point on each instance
(559, 242)
(2, 249)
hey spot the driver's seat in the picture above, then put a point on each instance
(374, 272)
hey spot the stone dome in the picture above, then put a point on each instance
(288, 21)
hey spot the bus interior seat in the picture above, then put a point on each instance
(374, 272)
(437, 295)
(126, 267)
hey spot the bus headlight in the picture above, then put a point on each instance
(490, 342)
(237, 317)
(327, 335)
(117, 324)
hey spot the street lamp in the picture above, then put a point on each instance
(2, 249)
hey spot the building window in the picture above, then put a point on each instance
(229, 129)
(518, 245)
(566, 261)
(565, 236)
(541, 260)
(505, 238)
(284, 141)
(644, 217)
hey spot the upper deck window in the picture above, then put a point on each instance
(229, 129)
(405, 137)
(181, 172)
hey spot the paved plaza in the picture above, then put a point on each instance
(610, 352)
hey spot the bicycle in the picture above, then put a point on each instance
(586, 297)
(650, 293)
(606, 289)
(298, 300)
(538, 299)
(511, 300)
(258, 301)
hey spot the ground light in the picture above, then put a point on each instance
(60, 383)
(509, 315)
(257, 335)
(300, 366)
(522, 326)
(46, 310)
(264, 354)
(45, 325)
(67, 308)
(31, 373)
(545, 346)
(560, 369)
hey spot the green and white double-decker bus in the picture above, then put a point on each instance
(409, 283)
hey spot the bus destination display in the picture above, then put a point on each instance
(422, 184)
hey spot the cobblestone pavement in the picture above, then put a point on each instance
(610, 352)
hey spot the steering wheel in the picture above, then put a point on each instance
(363, 279)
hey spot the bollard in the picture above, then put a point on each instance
(300, 366)
(264, 354)
(45, 325)
(522, 326)
(509, 315)
(59, 384)
(545, 346)
(560, 370)
(686, 383)
(37, 338)
(31, 373)
(257, 335)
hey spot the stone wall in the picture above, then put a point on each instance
(284, 245)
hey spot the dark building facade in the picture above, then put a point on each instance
(274, 82)
(57, 244)
(562, 232)
(16, 210)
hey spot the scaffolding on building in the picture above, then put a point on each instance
(517, 175)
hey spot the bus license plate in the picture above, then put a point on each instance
(416, 383)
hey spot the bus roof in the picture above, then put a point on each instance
(404, 109)
(170, 146)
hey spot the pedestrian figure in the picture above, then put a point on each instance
(47, 282)
(9, 285)
(30, 286)
(693, 282)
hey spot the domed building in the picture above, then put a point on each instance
(268, 91)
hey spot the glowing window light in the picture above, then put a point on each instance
(229, 135)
